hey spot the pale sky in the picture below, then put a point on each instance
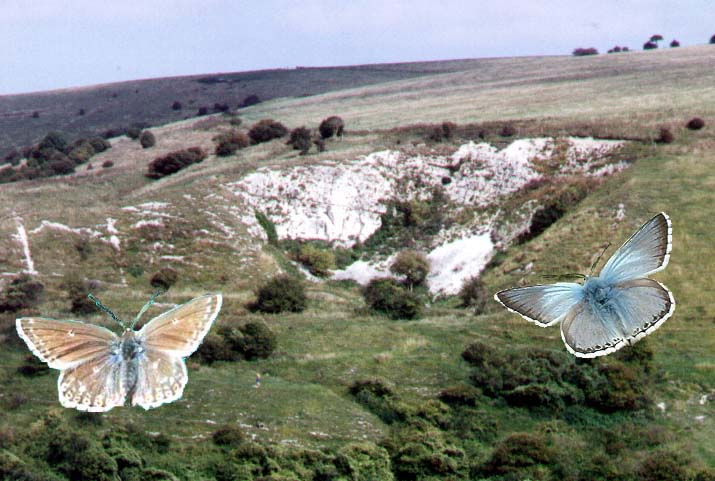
(49, 44)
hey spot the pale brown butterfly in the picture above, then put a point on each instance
(100, 370)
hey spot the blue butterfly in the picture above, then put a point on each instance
(611, 310)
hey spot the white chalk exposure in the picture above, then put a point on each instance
(21, 237)
(453, 262)
(342, 202)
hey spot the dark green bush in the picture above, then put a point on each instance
(32, 367)
(228, 143)
(216, 348)
(419, 454)
(202, 111)
(665, 136)
(228, 435)
(300, 139)
(520, 454)
(413, 265)
(664, 465)
(332, 126)
(474, 295)
(176, 105)
(266, 130)
(174, 162)
(443, 132)
(21, 292)
(53, 140)
(99, 144)
(387, 296)
(363, 461)
(81, 151)
(268, 227)
(164, 278)
(252, 99)
(133, 132)
(257, 341)
(147, 139)
(281, 294)
(107, 164)
(460, 395)
(696, 123)
(581, 51)
(377, 386)
(77, 290)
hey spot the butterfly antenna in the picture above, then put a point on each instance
(145, 308)
(106, 309)
(599, 258)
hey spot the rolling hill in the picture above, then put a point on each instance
(428, 412)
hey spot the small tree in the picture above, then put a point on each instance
(656, 38)
(53, 140)
(228, 143)
(266, 130)
(473, 294)
(712, 40)
(650, 45)
(674, 44)
(696, 123)
(331, 126)
(300, 139)
(413, 265)
(281, 293)
(257, 341)
(147, 139)
(318, 261)
(176, 105)
(385, 295)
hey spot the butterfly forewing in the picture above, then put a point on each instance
(95, 385)
(63, 344)
(544, 305)
(646, 252)
(161, 378)
(181, 330)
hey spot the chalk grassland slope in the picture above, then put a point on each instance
(303, 399)
(150, 101)
(610, 90)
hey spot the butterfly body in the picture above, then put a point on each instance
(609, 311)
(100, 370)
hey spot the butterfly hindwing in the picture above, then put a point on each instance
(181, 330)
(161, 378)
(96, 385)
(544, 305)
(646, 252)
(634, 309)
(63, 344)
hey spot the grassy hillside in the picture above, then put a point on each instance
(303, 420)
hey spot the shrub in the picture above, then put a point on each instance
(147, 139)
(473, 294)
(228, 435)
(21, 293)
(81, 151)
(266, 130)
(257, 341)
(664, 465)
(77, 290)
(268, 227)
(81, 112)
(134, 132)
(215, 348)
(235, 121)
(674, 44)
(202, 111)
(331, 126)
(13, 157)
(443, 132)
(300, 139)
(229, 142)
(219, 107)
(280, 294)
(460, 395)
(650, 45)
(164, 278)
(413, 265)
(508, 130)
(363, 461)
(114, 132)
(32, 367)
(376, 386)
(174, 162)
(386, 296)
(107, 164)
(53, 140)
(712, 40)
(318, 261)
(665, 136)
(696, 123)
(252, 99)
(319, 144)
(99, 144)
(176, 105)
(519, 454)
(581, 52)
(59, 167)
(35, 114)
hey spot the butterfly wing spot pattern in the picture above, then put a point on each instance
(100, 370)
(614, 309)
